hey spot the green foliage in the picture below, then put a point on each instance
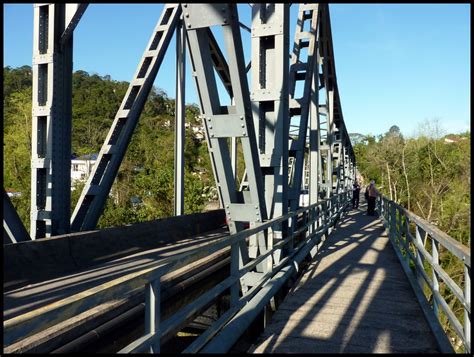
(426, 174)
(143, 189)
(17, 149)
(430, 177)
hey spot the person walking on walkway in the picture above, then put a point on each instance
(355, 194)
(373, 193)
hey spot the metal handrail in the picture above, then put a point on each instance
(151, 340)
(321, 216)
(413, 252)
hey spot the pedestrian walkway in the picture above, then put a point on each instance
(353, 298)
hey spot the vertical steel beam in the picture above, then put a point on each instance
(329, 141)
(315, 178)
(269, 96)
(180, 117)
(51, 127)
(224, 122)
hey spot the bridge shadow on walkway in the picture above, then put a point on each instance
(353, 298)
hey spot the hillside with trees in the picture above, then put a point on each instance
(143, 189)
(429, 175)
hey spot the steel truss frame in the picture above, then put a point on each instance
(259, 118)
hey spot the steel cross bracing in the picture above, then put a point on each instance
(92, 200)
(301, 70)
(225, 122)
(258, 118)
(13, 228)
(282, 95)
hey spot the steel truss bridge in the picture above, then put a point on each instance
(65, 282)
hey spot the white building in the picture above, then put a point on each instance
(81, 167)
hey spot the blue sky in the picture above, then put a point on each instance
(396, 64)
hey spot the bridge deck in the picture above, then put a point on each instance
(33, 296)
(353, 298)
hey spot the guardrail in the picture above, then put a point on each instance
(418, 245)
(315, 221)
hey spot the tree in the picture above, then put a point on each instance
(146, 173)
(394, 131)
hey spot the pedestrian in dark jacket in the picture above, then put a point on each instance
(355, 194)
(372, 193)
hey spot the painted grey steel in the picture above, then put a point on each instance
(259, 121)
(412, 252)
(242, 320)
(13, 228)
(333, 127)
(152, 312)
(253, 301)
(96, 190)
(180, 117)
(269, 97)
(301, 70)
(74, 13)
(37, 320)
(224, 122)
(315, 161)
(467, 300)
(51, 122)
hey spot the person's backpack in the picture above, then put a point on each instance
(366, 194)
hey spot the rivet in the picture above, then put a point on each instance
(243, 133)
(210, 126)
(186, 14)
(243, 125)
(241, 118)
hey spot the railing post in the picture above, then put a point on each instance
(393, 221)
(152, 313)
(407, 241)
(234, 271)
(418, 258)
(435, 257)
(399, 224)
(467, 315)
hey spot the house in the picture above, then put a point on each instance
(12, 193)
(81, 167)
(453, 139)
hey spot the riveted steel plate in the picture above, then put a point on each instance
(204, 15)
